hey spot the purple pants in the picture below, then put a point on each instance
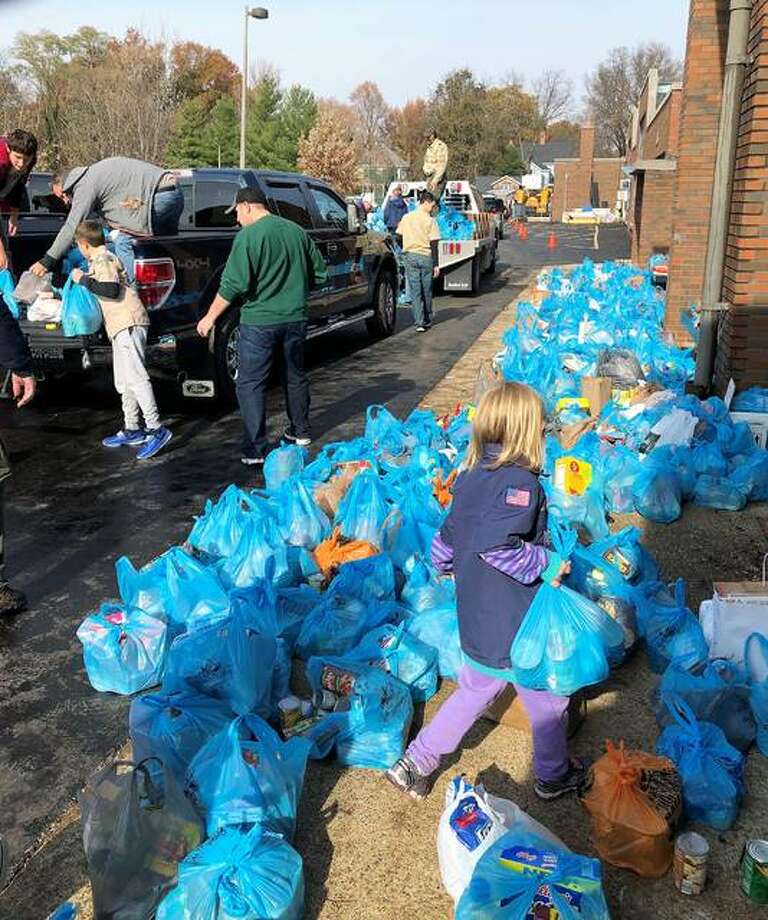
(475, 693)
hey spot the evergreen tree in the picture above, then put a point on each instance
(187, 145)
(221, 136)
(262, 129)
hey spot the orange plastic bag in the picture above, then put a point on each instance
(634, 800)
(336, 550)
(443, 491)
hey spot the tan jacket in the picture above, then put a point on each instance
(436, 160)
(127, 310)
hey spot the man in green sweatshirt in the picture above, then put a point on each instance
(271, 269)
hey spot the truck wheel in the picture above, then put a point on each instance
(383, 322)
(475, 282)
(225, 351)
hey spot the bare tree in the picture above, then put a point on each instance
(371, 115)
(614, 86)
(554, 95)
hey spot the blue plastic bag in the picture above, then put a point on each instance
(369, 579)
(261, 545)
(711, 492)
(751, 475)
(246, 774)
(281, 464)
(363, 511)
(439, 628)
(521, 878)
(402, 655)
(658, 495)
(754, 399)
(174, 726)
(227, 659)
(708, 460)
(124, 650)
(716, 692)
(7, 287)
(80, 310)
(379, 718)
(279, 612)
(197, 595)
(711, 770)
(303, 522)
(672, 632)
(383, 430)
(756, 658)
(146, 588)
(243, 874)
(620, 470)
(338, 623)
(219, 529)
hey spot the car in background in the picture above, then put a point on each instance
(498, 209)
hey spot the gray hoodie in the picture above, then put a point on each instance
(118, 189)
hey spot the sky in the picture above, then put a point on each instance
(405, 46)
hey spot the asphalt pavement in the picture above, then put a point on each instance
(72, 508)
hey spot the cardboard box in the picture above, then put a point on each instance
(508, 710)
(570, 434)
(598, 391)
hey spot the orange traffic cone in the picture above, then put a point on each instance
(552, 241)
(523, 232)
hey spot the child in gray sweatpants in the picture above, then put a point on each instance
(127, 323)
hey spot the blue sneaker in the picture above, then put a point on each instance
(156, 440)
(126, 438)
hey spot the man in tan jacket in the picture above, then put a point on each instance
(436, 165)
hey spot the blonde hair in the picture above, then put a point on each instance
(511, 415)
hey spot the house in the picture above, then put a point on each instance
(543, 155)
(384, 166)
(503, 187)
(651, 167)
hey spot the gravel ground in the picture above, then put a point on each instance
(369, 852)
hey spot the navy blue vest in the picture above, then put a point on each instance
(490, 507)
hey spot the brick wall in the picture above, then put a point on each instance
(606, 173)
(573, 183)
(651, 222)
(743, 345)
(699, 120)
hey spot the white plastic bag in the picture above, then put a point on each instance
(45, 309)
(471, 821)
(726, 624)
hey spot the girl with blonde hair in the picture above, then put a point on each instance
(493, 543)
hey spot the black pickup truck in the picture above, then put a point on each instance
(178, 276)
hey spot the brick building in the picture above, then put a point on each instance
(652, 164)
(586, 180)
(743, 340)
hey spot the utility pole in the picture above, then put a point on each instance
(256, 12)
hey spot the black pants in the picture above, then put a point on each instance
(258, 347)
(5, 472)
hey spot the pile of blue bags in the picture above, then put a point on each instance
(208, 632)
(607, 321)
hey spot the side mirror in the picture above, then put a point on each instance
(354, 224)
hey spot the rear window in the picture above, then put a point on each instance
(212, 199)
(39, 199)
(290, 202)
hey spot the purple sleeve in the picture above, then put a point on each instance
(442, 555)
(524, 562)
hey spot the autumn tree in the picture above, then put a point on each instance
(198, 70)
(409, 128)
(614, 86)
(510, 116)
(457, 113)
(371, 113)
(328, 153)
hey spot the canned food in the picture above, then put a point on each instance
(338, 681)
(689, 867)
(754, 871)
(324, 699)
(289, 709)
(307, 709)
(342, 705)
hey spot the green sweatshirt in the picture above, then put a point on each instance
(272, 267)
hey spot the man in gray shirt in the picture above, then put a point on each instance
(135, 198)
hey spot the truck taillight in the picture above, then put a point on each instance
(155, 279)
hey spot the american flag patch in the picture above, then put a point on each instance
(518, 498)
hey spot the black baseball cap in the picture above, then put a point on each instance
(247, 196)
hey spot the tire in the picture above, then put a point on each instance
(491, 270)
(475, 282)
(225, 356)
(382, 324)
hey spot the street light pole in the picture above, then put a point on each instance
(256, 12)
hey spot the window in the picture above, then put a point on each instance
(211, 202)
(290, 202)
(333, 211)
(38, 197)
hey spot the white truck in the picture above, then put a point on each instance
(463, 261)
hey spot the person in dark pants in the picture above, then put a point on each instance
(15, 356)
(395, 209)
(421, 235)
(271, 269)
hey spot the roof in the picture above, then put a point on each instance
(484, 183)
(548, 153)
(386, 156)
